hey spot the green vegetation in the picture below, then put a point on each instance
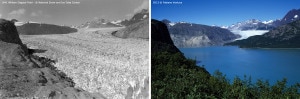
(175, 77)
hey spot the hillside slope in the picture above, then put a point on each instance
(136, 27)
(42, 29)
(196, 35)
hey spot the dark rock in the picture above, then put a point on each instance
(160, 38)
(9, 33)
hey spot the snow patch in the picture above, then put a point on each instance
(145, 16)
(19, 23)
(182, 22)
(172, 24)
(268, 22)
(224, 27)
(296, 16)
(116, 22)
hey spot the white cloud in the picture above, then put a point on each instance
(144, 5)
(16, 13)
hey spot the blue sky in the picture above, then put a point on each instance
(222, 12)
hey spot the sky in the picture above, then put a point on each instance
(222, 12)
(71, 14)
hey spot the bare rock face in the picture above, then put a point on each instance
(136, 27)
(24, 76)
(9, 33)
(12, 56)
(136, 30)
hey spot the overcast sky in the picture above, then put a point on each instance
(72, 14)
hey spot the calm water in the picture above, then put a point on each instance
(266, 64)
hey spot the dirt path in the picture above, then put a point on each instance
(96, 60)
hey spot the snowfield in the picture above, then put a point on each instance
(97, 61)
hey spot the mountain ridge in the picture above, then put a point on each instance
(286, 36)
(254, 24)
(186, 34)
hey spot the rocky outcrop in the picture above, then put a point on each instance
(23, 75)
(140, 16)
(160, 38)
(136, 30)
(137, 27)
(9, 33)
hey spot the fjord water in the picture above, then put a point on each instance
(265, 64)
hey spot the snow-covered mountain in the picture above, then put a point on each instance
(102, 23)
(252, 24)
(257, 27)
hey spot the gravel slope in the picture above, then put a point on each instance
(98, 61)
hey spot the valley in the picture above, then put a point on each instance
(98, 61)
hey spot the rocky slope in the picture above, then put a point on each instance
(286, 36)
(23, 75)
(136, 27)
(42, 29)
(196, 35)
(140, 16)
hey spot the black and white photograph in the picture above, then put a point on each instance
(74, 49)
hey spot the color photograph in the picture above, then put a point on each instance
(225, 49)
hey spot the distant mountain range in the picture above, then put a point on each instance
(102, 23)
(186, 34)
(255, 24)
(286, 36)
